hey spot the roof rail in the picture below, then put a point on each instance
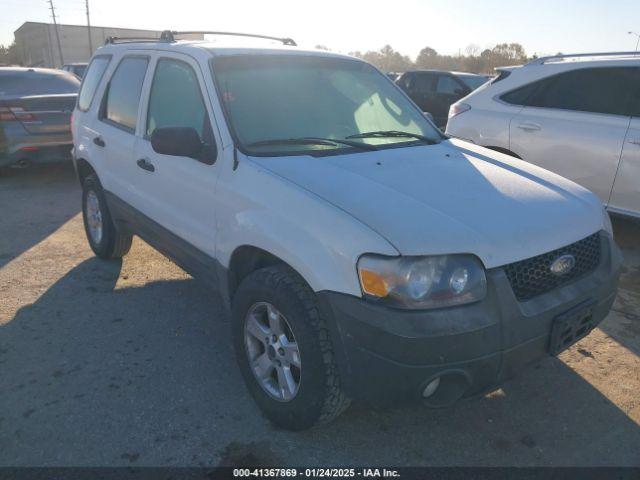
(113, 40)
(542, 60)
(169, 36)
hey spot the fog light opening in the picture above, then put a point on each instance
(431, 388)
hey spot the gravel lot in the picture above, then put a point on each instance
(130, 363)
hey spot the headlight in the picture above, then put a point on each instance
(422, 282)
(606, 219)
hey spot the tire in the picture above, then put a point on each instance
(110, 243)
(319, 397)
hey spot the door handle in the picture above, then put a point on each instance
(635, 141)
(529, 127)
(99, 141)
(145, 164)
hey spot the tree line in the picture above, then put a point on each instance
(387, 59)
(474, 59)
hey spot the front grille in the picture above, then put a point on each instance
(532, 277)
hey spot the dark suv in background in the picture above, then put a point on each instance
(435, 90)
(35, 114)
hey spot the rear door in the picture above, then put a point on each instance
(625, 197)
(178, 193)
(448, 90)
(420, 88)
(115, 130)
(574, 124)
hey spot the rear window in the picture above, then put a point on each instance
(91, 80)
(473, 81)
(27, 83)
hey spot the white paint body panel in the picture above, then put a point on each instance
(321, 214)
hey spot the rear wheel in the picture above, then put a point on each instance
(284, 350)
(105, 239)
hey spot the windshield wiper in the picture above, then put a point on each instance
(312, 141)
(393, 134)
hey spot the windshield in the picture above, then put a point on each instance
(280, 97)
(474, 81)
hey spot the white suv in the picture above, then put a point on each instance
(576, 115)
(362, 254)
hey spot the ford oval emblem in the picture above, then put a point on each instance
(563, 264)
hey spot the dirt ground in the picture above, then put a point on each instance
(130, 363)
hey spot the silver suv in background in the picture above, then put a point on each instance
(35, 114)
(576, 115)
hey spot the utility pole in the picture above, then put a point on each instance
(637, 35)
(55, 26)
(89, 28)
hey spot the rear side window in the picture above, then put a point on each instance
(122, 97)
(175, 99)
(91, 80)
(23, 83)
(423, 83)
(522, 95)
(447, 85)
(595, 90)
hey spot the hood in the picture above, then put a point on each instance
(453, 197)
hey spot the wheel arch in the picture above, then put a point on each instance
(247, 259)
(83, 169)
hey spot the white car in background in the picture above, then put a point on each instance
(576, 115)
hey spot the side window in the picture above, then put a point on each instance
(447, 85)
(522, 95)
(423, 83)
(122, 97)
(597, 90)
(91, 80)
(175, 99)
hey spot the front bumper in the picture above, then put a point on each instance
(388, 355)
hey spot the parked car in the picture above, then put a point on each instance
(435, 90)
(576, 115)
(35, 111)
(363, 255)
(77, 69)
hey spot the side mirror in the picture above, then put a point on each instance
(177, 141)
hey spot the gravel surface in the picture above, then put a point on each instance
(131, 363)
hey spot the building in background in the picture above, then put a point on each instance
(37, 45)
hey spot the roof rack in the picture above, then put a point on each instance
(169, 36)
(542, 60)
(113, 40)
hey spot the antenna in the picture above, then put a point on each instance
(55, 27)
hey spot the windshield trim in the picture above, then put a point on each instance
(314, 153)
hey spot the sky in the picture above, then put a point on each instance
(448, 26)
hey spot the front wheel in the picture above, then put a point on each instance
(104, 238)
(284, 351)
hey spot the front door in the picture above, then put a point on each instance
(178, 193)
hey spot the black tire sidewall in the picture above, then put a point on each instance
(103, 248)
(305, 409)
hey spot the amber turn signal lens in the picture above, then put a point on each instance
(373, 283)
